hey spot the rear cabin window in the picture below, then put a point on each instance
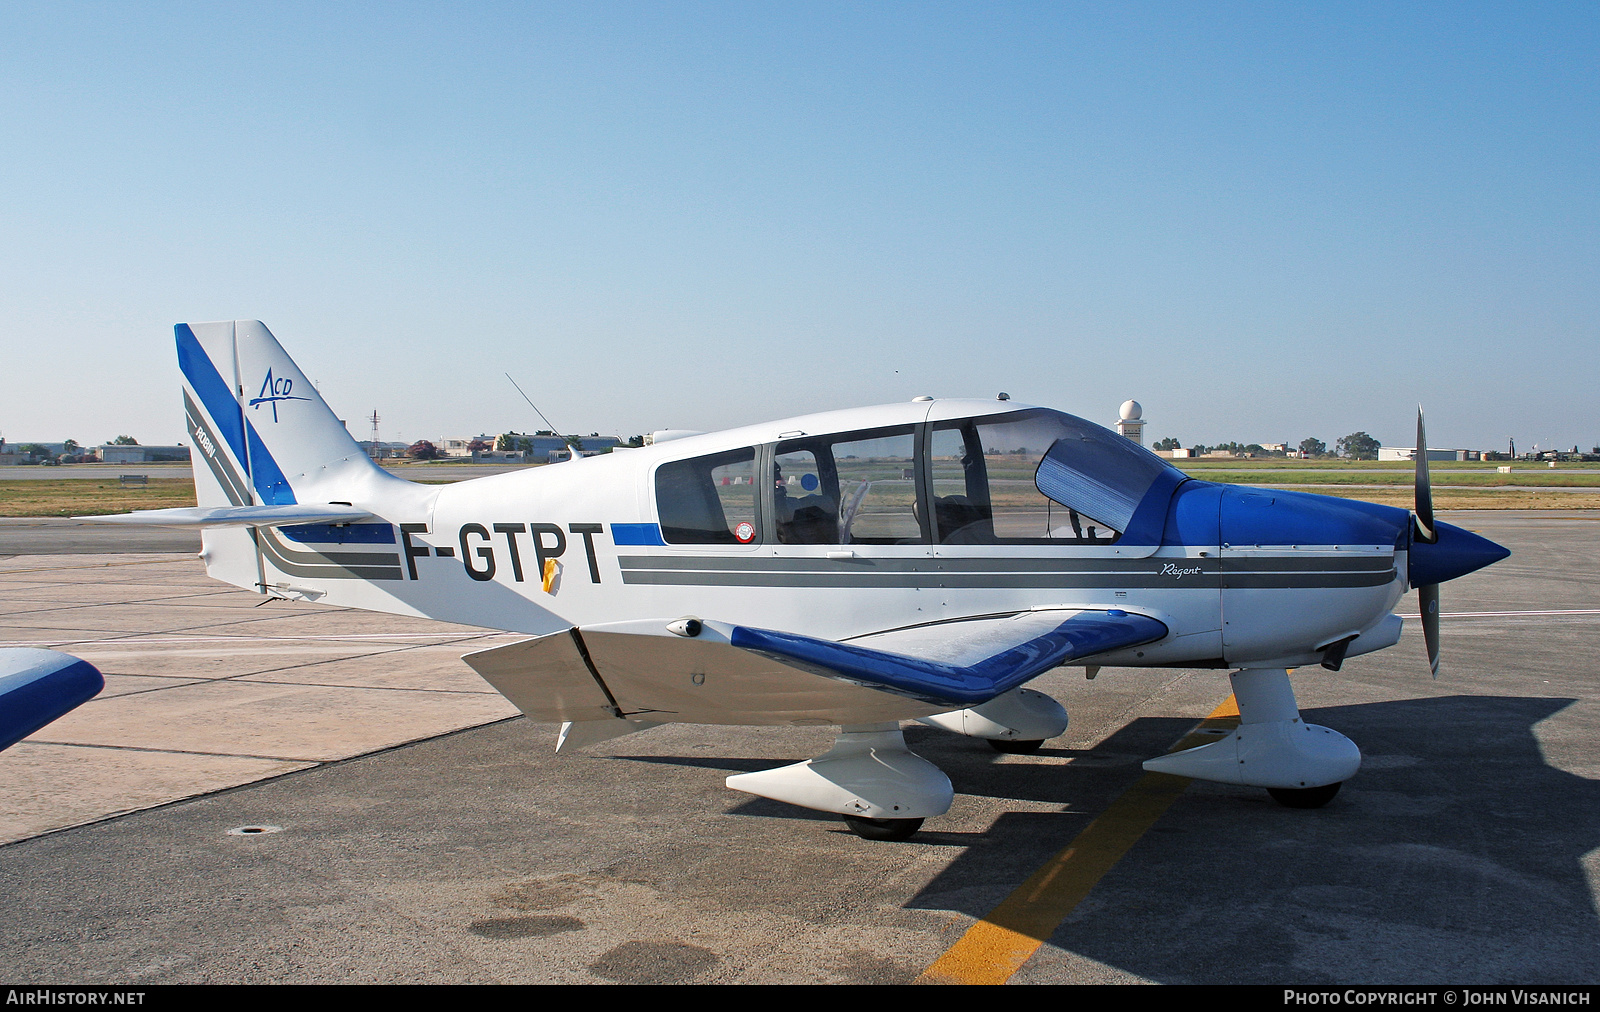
(708, 500)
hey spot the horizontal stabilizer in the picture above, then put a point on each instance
(237, 516)
(960, 662)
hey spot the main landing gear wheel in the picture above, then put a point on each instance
(1011, 746)
(882, 829)
(1304, 797)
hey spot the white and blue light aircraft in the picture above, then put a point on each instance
(916, 561)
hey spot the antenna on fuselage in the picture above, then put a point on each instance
(565, 439)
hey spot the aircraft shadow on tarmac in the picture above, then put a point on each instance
(1453, 856)
(976, 769)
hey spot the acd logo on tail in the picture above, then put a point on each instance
(273, 391)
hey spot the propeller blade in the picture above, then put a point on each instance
(1424, 491)
(1428, 604)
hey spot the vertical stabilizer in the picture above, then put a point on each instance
(262, 435)
(266, 434)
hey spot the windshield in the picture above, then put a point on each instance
(1035, 477)
(1095, 472)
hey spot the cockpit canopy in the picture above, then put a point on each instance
(1033, 476)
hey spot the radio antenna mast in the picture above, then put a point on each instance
(542, 418)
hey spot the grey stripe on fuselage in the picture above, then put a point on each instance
(327, 566)
(1148, 573)
(332, 565)
(946, 564)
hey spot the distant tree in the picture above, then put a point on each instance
(1313, 447)
(639, 441)
(1168, 444)
(480, 444)
(70, 448)
(505, 441)
(1358, 446)
(544, 432)
(34, 449)
(1199, 450)
(124, 441)
(574, 442)
(424, 450)
(1255, 448)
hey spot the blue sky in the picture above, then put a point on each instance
(1262, 221)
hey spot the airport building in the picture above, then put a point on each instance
(515, 447)
(119, 453)
(546, 449)
(461, 446)
(1410, 453)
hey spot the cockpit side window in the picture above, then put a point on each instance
(708, 500)
(856, 488)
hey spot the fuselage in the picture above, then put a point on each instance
(853, 522)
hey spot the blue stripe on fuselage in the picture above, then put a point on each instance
(636, 534)
(340, 534)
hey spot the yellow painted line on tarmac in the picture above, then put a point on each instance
(997, 946)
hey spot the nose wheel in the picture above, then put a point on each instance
(882, 829)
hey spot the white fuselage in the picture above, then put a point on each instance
(473, 552)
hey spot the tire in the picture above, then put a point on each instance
(882, 829)
(1011, 746)
(1304, 797)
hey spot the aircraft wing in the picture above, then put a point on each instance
(963, 662)
(37, 686)
(237, 516)
(732, 674)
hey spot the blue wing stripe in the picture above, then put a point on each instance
(1083, 635)
(44, 689)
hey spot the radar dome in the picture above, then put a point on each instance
(1131, 410)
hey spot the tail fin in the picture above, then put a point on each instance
(264, 433)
